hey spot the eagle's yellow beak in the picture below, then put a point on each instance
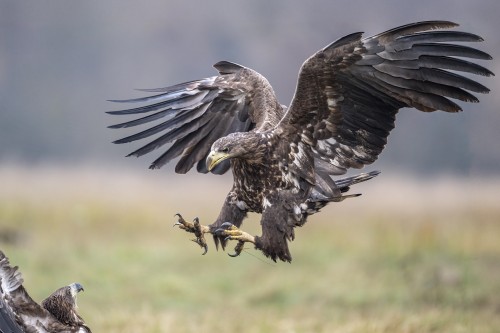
(214, 158)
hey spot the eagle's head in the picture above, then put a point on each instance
(62, 302)
(244, 145)
(75, 288)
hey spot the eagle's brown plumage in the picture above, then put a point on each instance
(62, 305)
(20, 313)
(344, 107)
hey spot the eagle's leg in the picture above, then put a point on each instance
(196, 228)
(230, 211)
(231, 232)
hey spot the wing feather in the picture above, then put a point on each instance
(409, 29)
(434, 75)
(184, 100)
(185, 127)
(442, 62)
(435, 49)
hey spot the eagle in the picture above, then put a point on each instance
(283, 158)
(20, 313)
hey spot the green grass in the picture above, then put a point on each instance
(405, 257)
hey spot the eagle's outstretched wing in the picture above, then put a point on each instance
(194, 114)
(348, 93)
(10, 280)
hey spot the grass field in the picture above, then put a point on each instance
(405, 257)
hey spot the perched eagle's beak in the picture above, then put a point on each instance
(76, 287)
(214, 158)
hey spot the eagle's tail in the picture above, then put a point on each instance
(345, 183)
(318, 199)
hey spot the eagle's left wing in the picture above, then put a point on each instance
(348, 93)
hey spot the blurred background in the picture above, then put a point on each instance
(420, 251)
(60, 61)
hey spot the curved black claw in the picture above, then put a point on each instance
(237, 250)
(180, 220)
(223, 228)
(231, 232)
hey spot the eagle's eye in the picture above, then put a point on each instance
(225, 150)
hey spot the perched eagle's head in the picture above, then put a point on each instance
(75, 288)
(62, 304)
(67, 293)
(244, 145)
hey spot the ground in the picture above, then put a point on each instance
(404, 257)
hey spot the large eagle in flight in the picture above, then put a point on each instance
(20, 313)
(282, 158)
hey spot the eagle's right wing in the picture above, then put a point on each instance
(194, 114)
